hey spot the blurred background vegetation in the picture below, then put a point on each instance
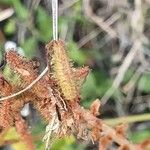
(112, 37)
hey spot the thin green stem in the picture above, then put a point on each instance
(128, 119)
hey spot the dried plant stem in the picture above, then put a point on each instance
(49, 129)
(6, 14)
(102, 128)
(128, 119)
(137, 45)
(96, 32)
(122, 70)
(99, 21)
(66, 5)
(130, 85)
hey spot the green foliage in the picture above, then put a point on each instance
(21, 11)
(44, 25)
(128, 75)
(63, 144)
(11, 76)
(97, 83)
(67, 143)
(39, 127)
(29, 46)
(89, 90)
(10, 27)
(144, 83)
(11, 135)
(8, 2)
(36, 131)
(77, 55)
(140, 136)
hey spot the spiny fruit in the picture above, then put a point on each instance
(62, 69)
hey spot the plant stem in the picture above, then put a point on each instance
(128, 119)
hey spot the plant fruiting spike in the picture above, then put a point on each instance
(62, 70)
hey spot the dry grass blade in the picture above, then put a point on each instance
(6, 14)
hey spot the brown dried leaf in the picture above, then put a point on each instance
(121, 129)
(104, 142)
(95, 107)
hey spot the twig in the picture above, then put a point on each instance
(128, 119)
(122, 70)
(66, 5)
(99, 21)
(137, 45)
(34, 5)
(96, 32)
(134, 79)
(6, 14)
(49, 129)
(94, 122)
